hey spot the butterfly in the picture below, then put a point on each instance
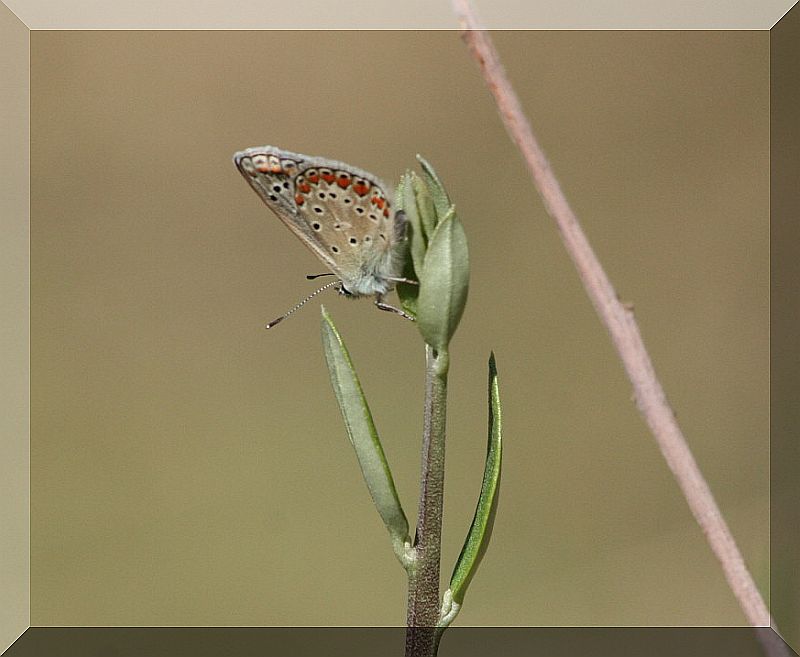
(342, 214)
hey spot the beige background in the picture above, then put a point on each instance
(191, 469)
(403, 14)
(14, 330)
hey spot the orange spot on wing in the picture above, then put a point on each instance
(328, 177)
(386, 212)
(313, 177)
(299, 199)
(304, 187)
(360, 188)
(343, 182)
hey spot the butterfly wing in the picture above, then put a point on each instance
(340, 212)
(273, 181)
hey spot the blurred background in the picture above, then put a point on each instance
(189, 468)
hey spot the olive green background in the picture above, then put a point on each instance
(784, 312)
(14, 329)
(189, 468)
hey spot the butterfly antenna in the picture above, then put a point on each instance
(302, 303)
(311, 277)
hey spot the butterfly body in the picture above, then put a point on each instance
(341, 213)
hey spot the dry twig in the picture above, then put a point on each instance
(621, 325)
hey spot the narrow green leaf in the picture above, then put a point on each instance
(362, 433)
(425, 207)
(441, 200)
(415, 235)
(416, 245)
(408, 293)
(398, 192)
(481, 529)
(444, 282)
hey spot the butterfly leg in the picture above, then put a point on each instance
(407, 281)
(385, 306)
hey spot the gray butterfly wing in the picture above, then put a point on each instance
(273, 181)
(340, 212)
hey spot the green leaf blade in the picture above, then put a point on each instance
(441, 200)
(415, 234)
(483, 521)
(426, 209)
(416, 244)
(444, 283)
(408, 293)
(362, 434)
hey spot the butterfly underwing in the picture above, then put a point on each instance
(343, 214)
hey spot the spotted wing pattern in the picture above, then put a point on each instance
(341, 213)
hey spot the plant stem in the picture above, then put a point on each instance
(423, 577)
(621, 325)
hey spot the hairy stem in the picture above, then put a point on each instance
(621, 325)
(423, 579)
